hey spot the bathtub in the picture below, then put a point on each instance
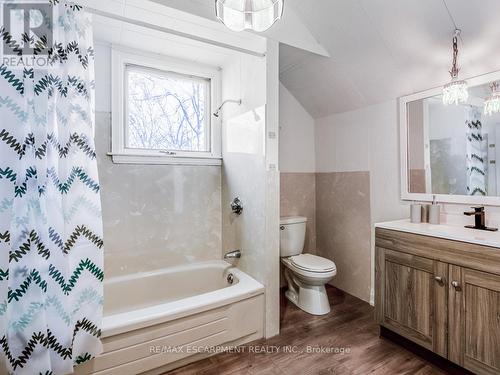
(156, 321)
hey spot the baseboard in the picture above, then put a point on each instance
(367, 299)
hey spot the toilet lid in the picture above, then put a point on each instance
(313, 263)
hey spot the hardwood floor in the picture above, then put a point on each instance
(349, 326)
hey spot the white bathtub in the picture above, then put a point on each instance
(160, 320)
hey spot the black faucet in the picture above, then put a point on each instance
(479, 219)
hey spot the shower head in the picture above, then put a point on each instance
(218, 111)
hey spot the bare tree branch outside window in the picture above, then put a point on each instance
(166, 111)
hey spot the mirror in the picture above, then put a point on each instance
(451, 150)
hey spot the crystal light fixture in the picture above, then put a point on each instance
(492, 103)
(456, 91)
(256, 15)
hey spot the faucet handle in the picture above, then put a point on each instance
(478, 210)
(237, 206)
(479, 219)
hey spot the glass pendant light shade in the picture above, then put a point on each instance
(256, 15)
(455, 92)
(492, 103)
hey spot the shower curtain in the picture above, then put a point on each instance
(476, 153)
(50, 217)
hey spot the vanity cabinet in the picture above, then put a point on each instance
(441, 294)
(475, 320)
(412, 301)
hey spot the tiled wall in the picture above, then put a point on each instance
(337, 207)
(298, 198)
(156, 216)
(343, 227)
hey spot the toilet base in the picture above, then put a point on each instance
(311, 298)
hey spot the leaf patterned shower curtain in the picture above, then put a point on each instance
(476, 153)
(50, 217)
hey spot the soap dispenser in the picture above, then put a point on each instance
(434, 212)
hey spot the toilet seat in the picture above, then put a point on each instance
(313, 263)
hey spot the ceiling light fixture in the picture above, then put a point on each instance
(256, 15)
(456, 91)
(492, 103)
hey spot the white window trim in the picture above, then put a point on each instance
(121, 58)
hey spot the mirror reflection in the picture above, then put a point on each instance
(453, 149)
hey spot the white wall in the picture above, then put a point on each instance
(248, 172)
(296, 148)
(365, 140)
(102, 77)
(272, 255)
(342, 143)
(297, 165)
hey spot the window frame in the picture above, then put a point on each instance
(120, 153)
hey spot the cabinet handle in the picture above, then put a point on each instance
(456, 285)
(439, 279)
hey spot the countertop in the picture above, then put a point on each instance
(446, 231)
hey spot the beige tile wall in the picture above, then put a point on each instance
(298, 198)
(343, 227)
(337, 207)
(156, 216)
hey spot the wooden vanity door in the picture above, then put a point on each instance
(475, 320)
(410, 300)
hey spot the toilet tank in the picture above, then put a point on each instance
(292, 235)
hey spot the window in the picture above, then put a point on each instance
(166, 111)
(162, 111)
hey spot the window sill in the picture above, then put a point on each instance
(163, 159)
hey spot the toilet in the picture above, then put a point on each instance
(306, 274)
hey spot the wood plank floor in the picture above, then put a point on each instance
(350, 326)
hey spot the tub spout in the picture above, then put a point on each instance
(236, 254)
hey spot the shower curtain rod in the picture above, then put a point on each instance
(172, 31)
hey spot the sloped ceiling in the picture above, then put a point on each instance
(383, 49)
(378, 49)
(292, 32)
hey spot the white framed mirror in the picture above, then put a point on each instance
(451, 151)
